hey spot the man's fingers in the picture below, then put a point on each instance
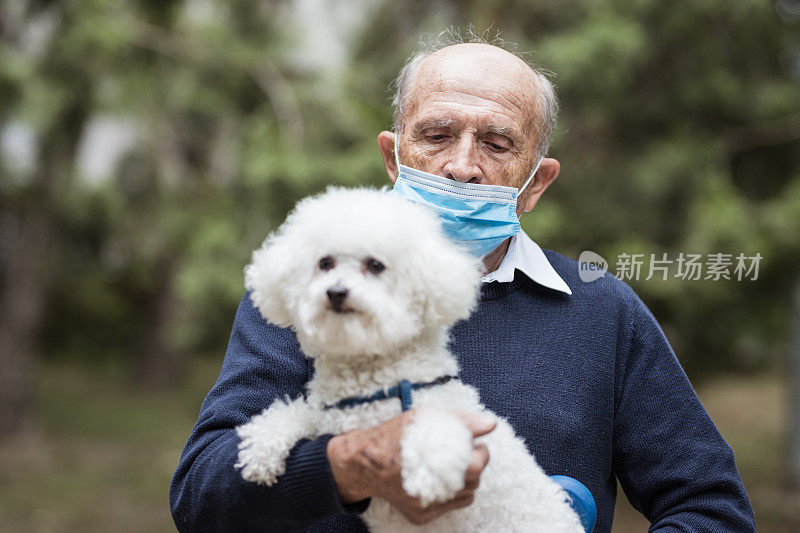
(478, 424)
(472, 476)
(479, 460)
(480, 457)
(471, 483)
(434, 511)
(459, 501)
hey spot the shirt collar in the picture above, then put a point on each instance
(527, 257)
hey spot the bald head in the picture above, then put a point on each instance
(472, 69)
(485, 69)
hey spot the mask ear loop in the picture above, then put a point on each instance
(396, 154)
(533, 173)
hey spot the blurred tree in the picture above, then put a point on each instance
(65, 90)
(679, 132)
(662, 106)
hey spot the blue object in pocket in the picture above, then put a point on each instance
(582, 500)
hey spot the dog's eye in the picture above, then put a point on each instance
(375, 266)
(326, 263)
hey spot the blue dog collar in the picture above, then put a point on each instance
(402, 391)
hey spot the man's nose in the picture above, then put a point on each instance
(463, 164)
(337, 295)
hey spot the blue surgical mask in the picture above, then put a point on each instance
(478, 217)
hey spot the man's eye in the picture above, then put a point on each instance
(439, 137)
(326, 263)
(375, 266)
(496, 147)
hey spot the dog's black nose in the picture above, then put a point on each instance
(337, 295)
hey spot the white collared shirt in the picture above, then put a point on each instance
(527, 257)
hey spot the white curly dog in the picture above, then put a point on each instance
(371, 285)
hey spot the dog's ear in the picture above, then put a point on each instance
(268, 276)
(451, 281)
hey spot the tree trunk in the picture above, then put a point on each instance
(22, 296)
(22, 310)
(157, 359)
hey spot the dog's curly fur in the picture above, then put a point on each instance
(392, 324)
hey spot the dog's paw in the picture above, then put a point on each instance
(266, 442)
(436, 449)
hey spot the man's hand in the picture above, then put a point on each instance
(366, 463)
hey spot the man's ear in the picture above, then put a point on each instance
(386, 146)
(547, 174)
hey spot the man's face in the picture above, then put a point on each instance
(468, 117)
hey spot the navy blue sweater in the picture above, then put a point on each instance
(589, 381)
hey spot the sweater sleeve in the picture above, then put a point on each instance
(670, 459)
(207, 493)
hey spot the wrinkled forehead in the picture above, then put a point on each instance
(474, 79)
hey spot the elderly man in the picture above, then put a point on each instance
(581, 370)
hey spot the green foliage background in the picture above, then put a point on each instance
(680, 132)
